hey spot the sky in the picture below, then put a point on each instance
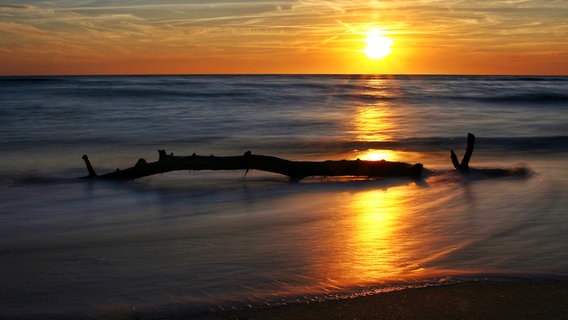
(528, 37)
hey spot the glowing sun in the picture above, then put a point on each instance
(378, 46)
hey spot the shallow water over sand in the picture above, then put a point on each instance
(214, 240)
(191, 241)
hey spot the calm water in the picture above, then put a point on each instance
(186, 242)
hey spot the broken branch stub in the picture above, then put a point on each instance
(464, 165)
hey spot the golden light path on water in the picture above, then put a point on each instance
(376, 214)
(373, 123)
(378, 217)
(371, 236)
(376, 121)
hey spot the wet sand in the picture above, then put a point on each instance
(468, 300)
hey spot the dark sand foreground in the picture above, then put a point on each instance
(469, 300)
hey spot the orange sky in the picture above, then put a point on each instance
(270, 36)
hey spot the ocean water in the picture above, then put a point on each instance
(186, 242)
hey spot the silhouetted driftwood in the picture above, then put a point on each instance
(483, 173)
(464, 165)
(295, 170)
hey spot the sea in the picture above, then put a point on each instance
(188, 242)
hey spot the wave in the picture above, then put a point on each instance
(551, 144)
(13, 180)
(294, 143)
(156, 94)
(533, 144)
(346, 88)
(292, 149)
(20, 79)
(529, 97)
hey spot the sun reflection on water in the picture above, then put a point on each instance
(377, 125)
(376, 155)
(372, 237)
(373, 123)
(371, 240)
(380, 234)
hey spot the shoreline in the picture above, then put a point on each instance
(488, 299)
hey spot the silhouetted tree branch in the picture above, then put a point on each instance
(295, 170)
(464, 165)
(483, 173)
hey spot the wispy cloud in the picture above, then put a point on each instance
(150, 28)
(13, 7)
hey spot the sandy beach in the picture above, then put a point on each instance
(468, 300)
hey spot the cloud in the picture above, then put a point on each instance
(270, 27)
(22, 30)
(14, 7)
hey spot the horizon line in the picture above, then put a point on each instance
(282, 74)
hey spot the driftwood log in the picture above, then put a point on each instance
(295, 170)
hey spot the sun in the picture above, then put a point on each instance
(378, 46)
